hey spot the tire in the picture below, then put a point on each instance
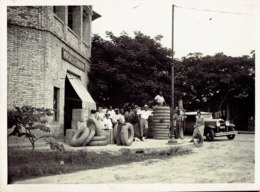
(161, 119)
(98, 143)
(161, 108)
(161, 127)
(161, 134)
(161, 138)
(161, 113)
(90, 136)
(80, 136)
(231, 137)
(127, 134)
(198, 140)
(115, 132)
(210, 135)
(161, 124)
(99, 138)
(161, 130)
(92, 121)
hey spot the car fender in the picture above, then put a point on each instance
(211, 126)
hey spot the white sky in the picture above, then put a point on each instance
(232, 34)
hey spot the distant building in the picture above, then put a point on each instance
(49, 48)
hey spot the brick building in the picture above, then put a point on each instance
(48, 50)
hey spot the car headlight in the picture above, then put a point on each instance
(227, 123)
(218, 123)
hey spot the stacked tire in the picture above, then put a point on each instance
(89, 135)
(161, 122)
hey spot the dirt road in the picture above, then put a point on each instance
(221, 161)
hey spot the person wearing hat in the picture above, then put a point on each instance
(107, 121)
(144, 115)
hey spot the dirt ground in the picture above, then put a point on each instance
(221, 161)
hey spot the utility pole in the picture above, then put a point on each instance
(172, 139)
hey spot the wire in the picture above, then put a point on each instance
(208, 10)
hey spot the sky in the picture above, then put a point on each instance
(194, 30)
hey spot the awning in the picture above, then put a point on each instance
(87, 101)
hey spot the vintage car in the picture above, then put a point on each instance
(213, 127)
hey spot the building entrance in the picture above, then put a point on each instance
(72, 101)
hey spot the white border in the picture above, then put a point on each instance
(103, 187)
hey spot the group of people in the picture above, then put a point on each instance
(137, 116)
(109, 118)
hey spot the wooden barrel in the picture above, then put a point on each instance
(161, 122)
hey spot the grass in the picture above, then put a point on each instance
(23, 165)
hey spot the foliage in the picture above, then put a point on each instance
(214, 79)
(129, 69)
(24, 120)
(132, 69)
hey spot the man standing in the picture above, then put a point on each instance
(144, 114)
(159, 99)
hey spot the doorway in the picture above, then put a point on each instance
(72, 101)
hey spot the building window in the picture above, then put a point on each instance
(74, 19)
(60, 12)
(56, 101)
(86, 28)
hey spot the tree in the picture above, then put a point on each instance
(127, 69)
(24, 120)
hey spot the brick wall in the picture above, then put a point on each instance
(35, 64)
(26, 66)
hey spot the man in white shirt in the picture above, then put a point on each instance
(107, 122)
(144, 114)
(111, 112)
(159, 99)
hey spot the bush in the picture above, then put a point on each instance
(25, 119)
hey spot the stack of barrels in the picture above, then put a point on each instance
(161, 122)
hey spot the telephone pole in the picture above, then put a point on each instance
(172, 139)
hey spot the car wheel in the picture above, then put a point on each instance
(230, 137)
(210, 135)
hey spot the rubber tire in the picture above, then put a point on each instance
(127, 134)
(161, 127)
(98, 143)
(115, 132)
(161, 138)
(210, 135)
(92, 120)
(80, 136)
(162, 121)
(161, 108)
(161, 131)
(99, 138)
(231, 137)
(198, 142)
(90, 136)
(161, 124)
